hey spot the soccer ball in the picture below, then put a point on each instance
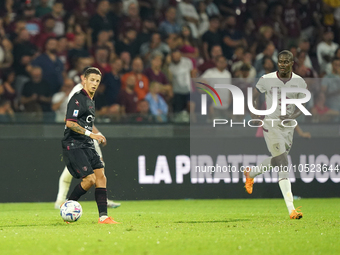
(71, 211)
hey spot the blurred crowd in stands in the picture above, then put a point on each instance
(149, 50)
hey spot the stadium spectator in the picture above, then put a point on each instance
(226, 7)
(322, 113)
(158, 107)
(169, 25)
(231, 37)
(268, 66)
(104, 40)
(155, 45)
(23, 52)
(247, 59)
(6, 56)
(187, 14)
(173, 41)
(330, 86)
(325, 50)
(8, 11)
(128, 43)
(300, 68)
(203, 24)
(212, 9)
(309, 11)
(58, 15)
(102, 20)
(128, 98)
(126, 61)
(264, 37)
(6, 112)
(7, 90)
(143, 110)
(329, 65)
(33, 24)
(291, 22)
(83, 12)
(62, 51)
(238, 54)
(60, 100)
(154, 73)
(131, 19)
(148, 28)
(78, 49)
(211, 37)
(181, 70)
(146, 8)
(249, 33)
(269, 51)
(42, 8)
(142, 82)
(112, 82)
(274, 19)
(304, 45)
(220, 74)
(51, 65)
(102, 106)
(77, 71)
(328, 10)
(101, 60)
(216, 51)
(36, 96)
(47, 32)
(188, 45)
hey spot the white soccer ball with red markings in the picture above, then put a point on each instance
(71, 211)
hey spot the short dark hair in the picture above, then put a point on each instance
(90, 70)
(286, 53)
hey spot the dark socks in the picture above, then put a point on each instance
(77, 193)
(101, 199)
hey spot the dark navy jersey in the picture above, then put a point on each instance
(80, 109)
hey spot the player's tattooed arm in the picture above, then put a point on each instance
(75, 127)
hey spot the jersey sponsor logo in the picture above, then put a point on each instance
(77, 102)
(75, 113)
(90, 118)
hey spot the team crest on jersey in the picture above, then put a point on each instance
(75, 113)
(77, 103)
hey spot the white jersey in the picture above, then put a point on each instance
(272, 80)
(75, 89)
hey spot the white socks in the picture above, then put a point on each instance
(264, 166)
(64, 185)
(102, 218)
(284, 182)
(286, 190)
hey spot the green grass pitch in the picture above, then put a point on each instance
(253, 226)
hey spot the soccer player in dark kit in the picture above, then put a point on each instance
(81, 159)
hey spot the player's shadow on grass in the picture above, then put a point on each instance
(213, 221)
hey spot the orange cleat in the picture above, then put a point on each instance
(108, 220)
(296, 214)
(249, 181)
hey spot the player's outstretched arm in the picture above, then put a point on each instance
(80, 130)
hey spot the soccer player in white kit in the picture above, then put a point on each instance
(278, 138)
(66, 178)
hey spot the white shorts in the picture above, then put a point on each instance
(278, 139)
(97, 148)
